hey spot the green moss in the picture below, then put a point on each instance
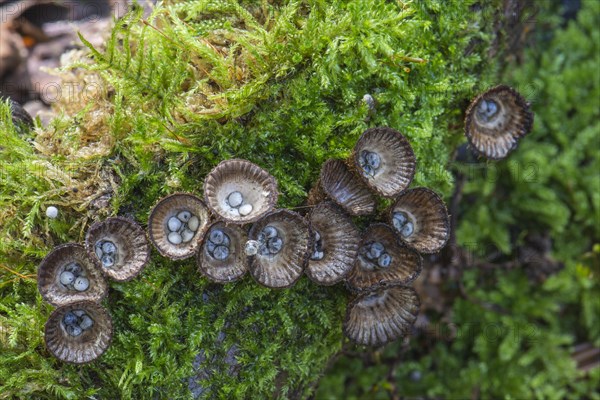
(197, 82)
(509, 336)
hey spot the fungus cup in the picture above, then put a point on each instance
(177, 224)
(496, 120)
(283, 240)
(78, 332)
(240, 192)
(67, 274)
(381, 315)
(421, 220)
(119, 248)
(221, 256)
(382, 260)
(384, 160)
(339, 184)
(335, 244)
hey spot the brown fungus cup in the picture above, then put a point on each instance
(278, 248)
(78, 332)
(67, 274)
(335, 244)
(383, 260)
(338, 183)
(119, 248)
(177, 224)
(384, 160)
(240, 192)
(421, 220)
(222, 257)
(496, 120)
(381, 315)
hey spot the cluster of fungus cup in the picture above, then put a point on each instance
(278, 248)
(68, 278)
(335, 244)
(177, 224)
(78, 332)
(387, 256)
(119, 248)
(496, 120)
(240, 192)
(72, 277)
(221, 257)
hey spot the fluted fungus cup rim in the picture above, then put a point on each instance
(119, 248)
(67, 274)
(222, 258)
(371, 321)
(334, 246)
(495, 121)
(81, 344)
(383, 260)
(240, 192)
(384, 160)
(177, 224)
(424, 211)
(284, 240)
(343, 187)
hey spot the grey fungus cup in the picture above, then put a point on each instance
(240, 192)
(119, 248)
(381, 315)
(421, 220)
(221, 257)
(383, 260)
(79, 332)
(496, 120)
(177, 224)
(278, 247)
(338, 183)
(67, 274)
(384, 160)
(334, 246)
